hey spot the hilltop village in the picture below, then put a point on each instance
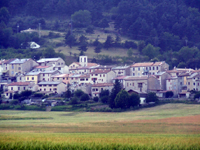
(52, 75)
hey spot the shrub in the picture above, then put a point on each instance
(73, 101)
(169, 94)
(58, 108)
(26, 93)
(197, 95)
(14, 102)
(38, 95)
(151, 97)
(85, 97)
(96, 99)
(134, 100)
(104, 99)
(104, 93)
(78, 93)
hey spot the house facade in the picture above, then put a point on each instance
(97, 88)
(151, 68)
(52, 87)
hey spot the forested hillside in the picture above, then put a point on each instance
(167, 30)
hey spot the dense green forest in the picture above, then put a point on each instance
(164, 30)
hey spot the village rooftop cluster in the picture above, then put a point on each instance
(52, 75)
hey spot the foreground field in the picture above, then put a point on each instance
(170, 126)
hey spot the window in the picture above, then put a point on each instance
(157, 68)
(43, 75)
(32, 78)
(153, 68)
(133, 84)
(86, 79)
(24, 88)
(59, 68)
(96, 74)
(93, 89)
(20, 78)
(12, 72)
(133, 74)
(19, 68)
(133, 69)
(96, 89)
(139, 85)
(188, 83)
(11, 88)
(12, 66)
(50, 89)
(100, 75)
(18, 88)
(127, 84)
(27, 78)
(44, 89)
(193, 83)
(138, 68)
(104, 75)
(101, 89)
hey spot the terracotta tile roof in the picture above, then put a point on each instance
(9, 61)
(85, 76)
(136, 78)
(120, 77)
(61, 75)
(157, 63)
(145, 64)
(66, 81)
(40, 67)
(19, 84)
(102, 84)
(91, 64)
(100, 72)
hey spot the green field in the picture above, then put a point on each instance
(169, 126)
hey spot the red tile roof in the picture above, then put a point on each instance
(19, 84)
(100, 72)
(39, 67)
(102, 84)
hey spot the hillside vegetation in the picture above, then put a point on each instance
(165, 30)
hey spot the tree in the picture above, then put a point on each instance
(151, 51)
(134, 100)
(78, 93)
(68, 93)
(169, 94)
(96, 99)
(103, 23)
(83, 46)
(26, 93)
(130, 52)
(109, 41)
(84, 97)
(122, 99)
(70, 41)
(81, 18)
(151, 97)
(73, 101)
(4, 15)
(98, 48)
(49, 52)
(116, 89)
(104, 99)
(104, 93)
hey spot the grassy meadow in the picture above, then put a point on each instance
(169, 126)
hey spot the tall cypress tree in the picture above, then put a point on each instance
(116, 89)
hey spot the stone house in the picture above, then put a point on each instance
(143, 84)
(151, 68)
(162, 77)
(97, 88)
(15, 87)
(122, 70)
(19, 66)
(52, 87)
(102, 76)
